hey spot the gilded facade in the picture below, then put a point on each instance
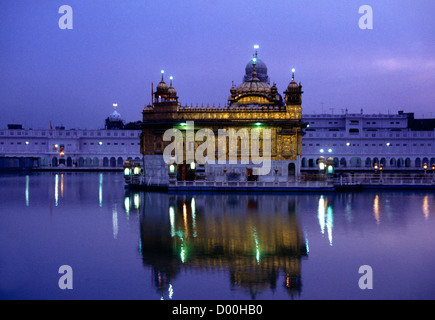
(254, 104)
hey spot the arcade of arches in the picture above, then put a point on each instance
(84, 162)
(357, 162)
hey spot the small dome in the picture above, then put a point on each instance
(172, 92)
(162, 87)
(293, 86)
(115, 116)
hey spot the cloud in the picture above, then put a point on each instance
(404, 64)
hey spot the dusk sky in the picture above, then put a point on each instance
(116, 49)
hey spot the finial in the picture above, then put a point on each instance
(170, 78)
(256, 48)
(163, 71)
(293, 74)
(254, 62)
(115, 105)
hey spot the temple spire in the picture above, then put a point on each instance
(256, 52)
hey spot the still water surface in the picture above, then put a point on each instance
(139, 245)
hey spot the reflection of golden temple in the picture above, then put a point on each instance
(227, 233)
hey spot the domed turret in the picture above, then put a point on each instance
(294, 92)
(162, 87)
(165, 97)
(114, 120)
(172, 92)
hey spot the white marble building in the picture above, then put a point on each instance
(82, 148)
(358, 141)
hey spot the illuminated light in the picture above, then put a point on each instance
(425, 166)
(136, 170)
(321, 150)
(348, 144)
(115, 105)
(293, 70)
(308, 125)
(171, 168)
(100, 143)
(127, 171)
(27, 142)
(254, 60)
(171, 78)
(192, 165)
(183, 124)
(56, 146)
(162, 71)
(330, 169)
(321, 166)
(388, 144)
(329, 150)
(258, 124)
(256, 46)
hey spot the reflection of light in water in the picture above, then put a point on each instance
(115, 220)
(172, 220)
(136, 201)
(27, 190)
(329, 223)
(321, 214)
(257, 246)
(306, 243)
(193, 206)
(182, 253)
(56, 189)
(376, 209)
(426, 207)
(100, 191)
(127, 205)
(185, 217)
(61, 185)
(170, 291)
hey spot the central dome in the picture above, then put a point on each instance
(260, 68)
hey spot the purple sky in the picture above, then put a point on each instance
(117, 48)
